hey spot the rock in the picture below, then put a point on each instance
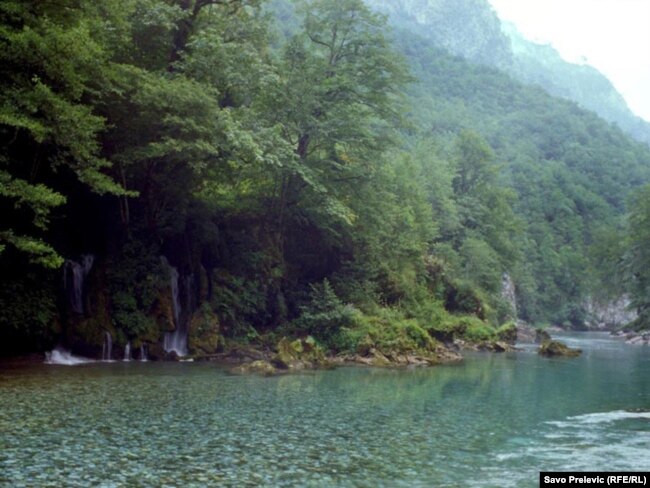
(526, 333)
(557, 348)
(256, 367)
(500, 346)
(377, 358)
(203, 336)
(636, 340)
(542, 336)
(495, 346)
(238, 354)
(298, 354)
(507, 333)
(446, 355)
(609, 314)
(172, 356)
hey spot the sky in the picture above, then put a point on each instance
(613, 36)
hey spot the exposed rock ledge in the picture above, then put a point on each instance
(557, 348)
(304, 354)
(641, 338)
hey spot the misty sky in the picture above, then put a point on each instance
(613, 36)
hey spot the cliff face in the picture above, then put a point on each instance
(609, 315)
(467, 28)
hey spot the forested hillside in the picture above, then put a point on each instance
(183, 175)
(472, 30)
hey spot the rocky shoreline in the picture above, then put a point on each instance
(637, 338)
(293, 355)
(304, 354)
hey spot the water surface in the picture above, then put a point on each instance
(495, 420)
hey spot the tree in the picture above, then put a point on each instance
(638, 256)
(49, 62)
(337, 106)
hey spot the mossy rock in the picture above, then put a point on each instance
(298, 354)
(557, 349)
(261, 367)
(496, 346)
(507, 333)
(204, 336)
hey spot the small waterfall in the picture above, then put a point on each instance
(143, 353)
(127, 351)
(176, 340)
(107, 348)
(176, 304)
(508, 293)
(65, 358)
(74, 276)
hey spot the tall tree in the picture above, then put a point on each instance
(49, 62)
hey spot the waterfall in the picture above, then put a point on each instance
(74, 276)
(508, 293)
(176, 304)
(127, 351)
(143, 353)
(176, 340)
(107, 348)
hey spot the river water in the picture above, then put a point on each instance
(494, 420)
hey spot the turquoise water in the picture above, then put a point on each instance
(495, 420)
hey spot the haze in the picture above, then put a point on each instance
(611, 35)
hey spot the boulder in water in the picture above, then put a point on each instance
(256, 367)
(557, 348)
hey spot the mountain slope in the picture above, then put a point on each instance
(471, 29)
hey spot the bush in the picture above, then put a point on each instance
(323, 316)
(387, 331)
(135, 278)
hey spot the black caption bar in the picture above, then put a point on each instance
(593, 478)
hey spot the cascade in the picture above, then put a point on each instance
(176, 304)
(63, 357)
(74, 276)
(508, 293)
(176, 340)
(127, 351)
(143, 353)
(107, 348)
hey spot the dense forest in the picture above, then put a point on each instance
(184, 175)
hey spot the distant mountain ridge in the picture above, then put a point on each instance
(471, 29)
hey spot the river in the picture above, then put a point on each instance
(494, 420)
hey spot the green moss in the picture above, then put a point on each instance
(298, 353)
(507, 333)
(204, 333)
(557, 348)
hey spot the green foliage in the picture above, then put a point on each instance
(28, 313)
(386, 330)
(637, 258)
(308, 181)
(324, 316)
(239, 303)
(135, 280)
(49, 64)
